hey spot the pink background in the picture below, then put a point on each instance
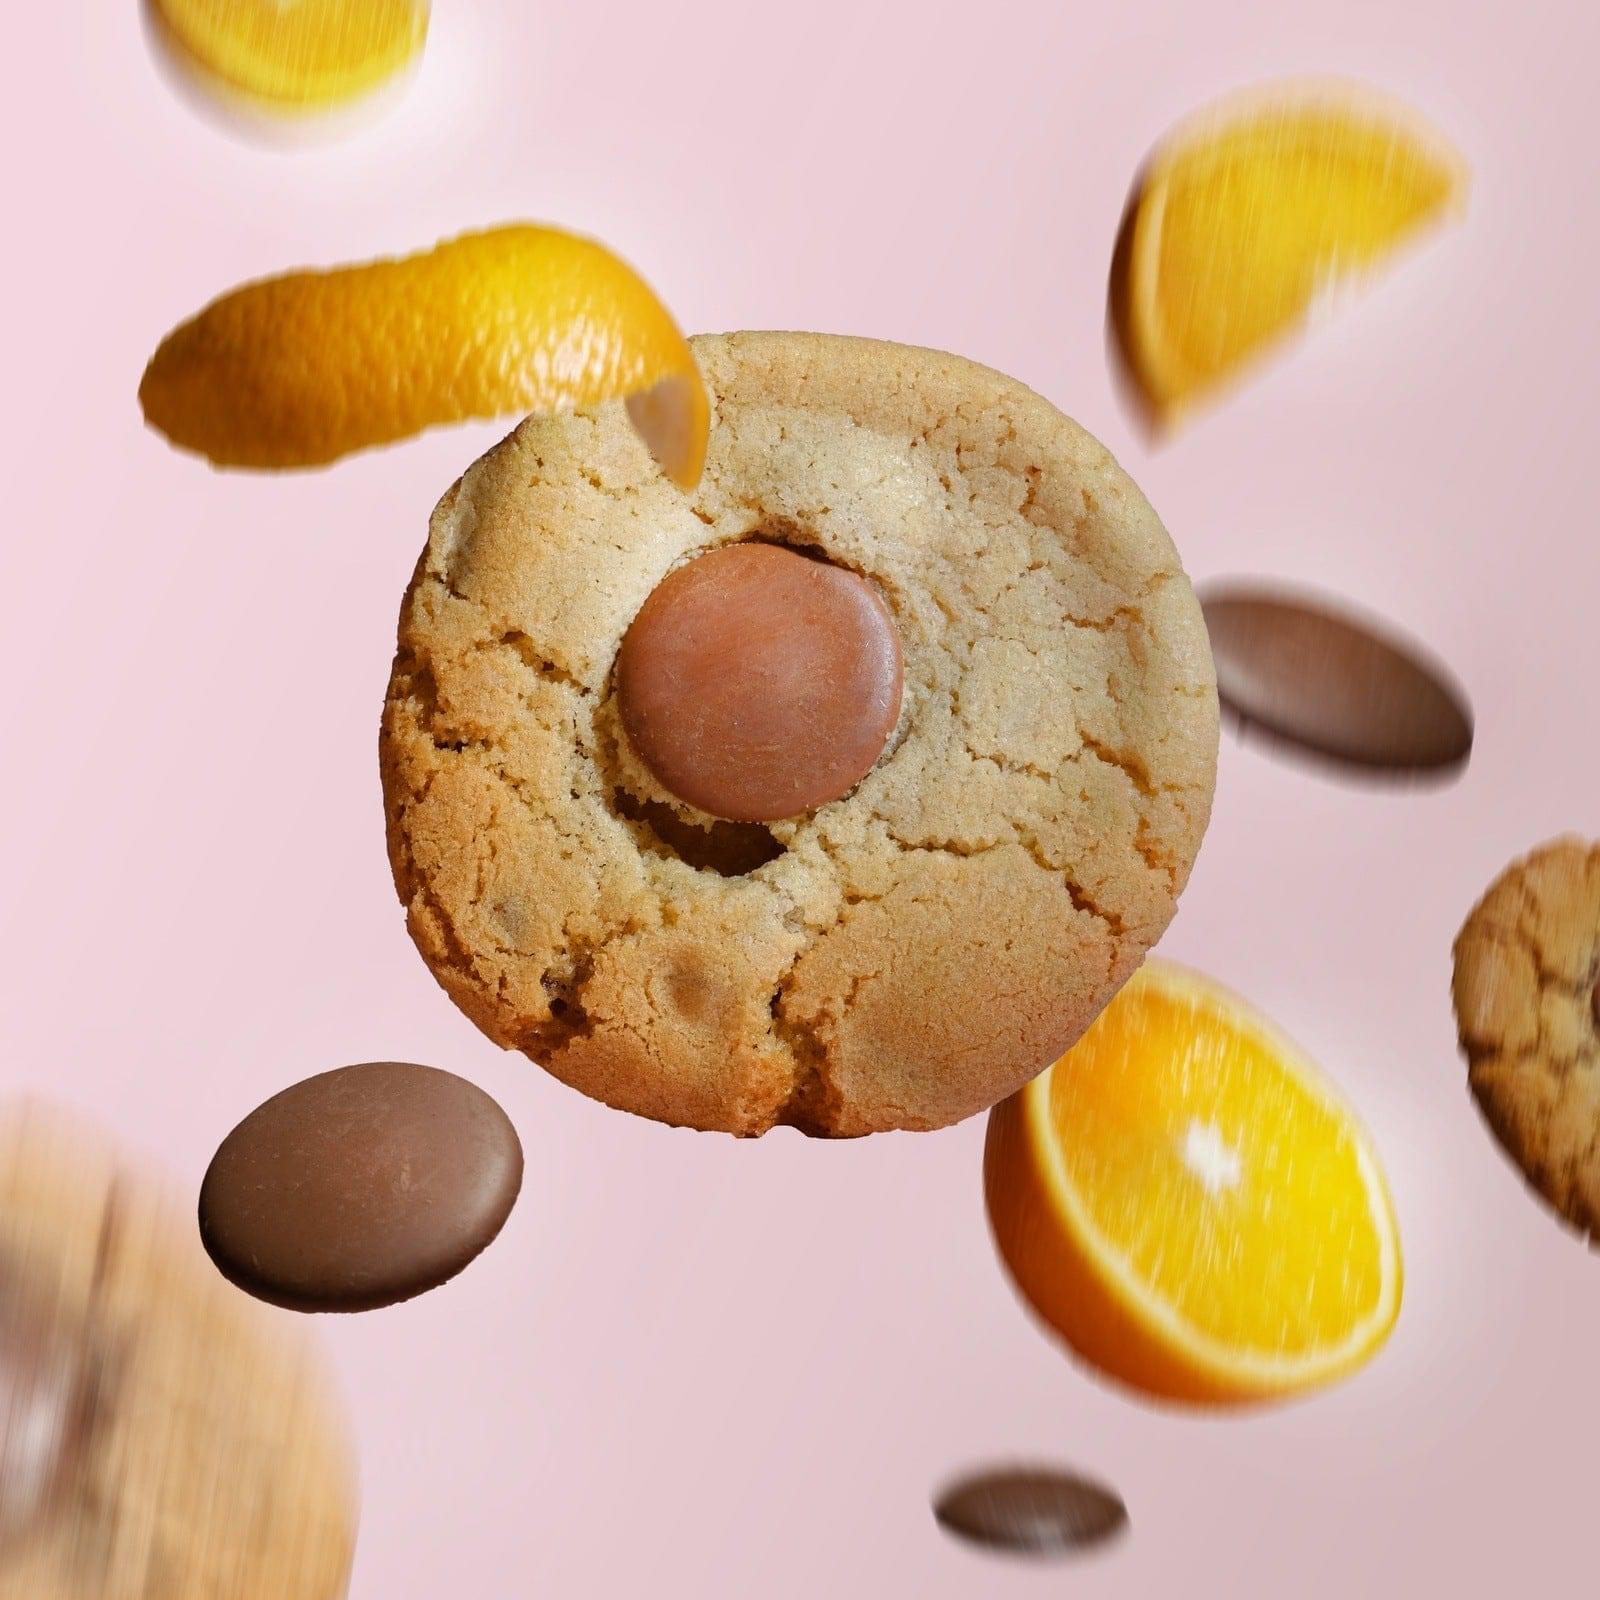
(692, 1366)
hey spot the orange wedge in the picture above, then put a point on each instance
(1249, 217)
(298, 370)
(1187, 1202)
(291, 56)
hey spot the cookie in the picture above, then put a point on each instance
(1527, 1001)
(904, 953)
(183, 1442)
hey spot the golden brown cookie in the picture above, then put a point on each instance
(1527, 967)
(906, 954)
(207, 1460)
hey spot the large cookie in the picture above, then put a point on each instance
(1527, 998)
(902, 956)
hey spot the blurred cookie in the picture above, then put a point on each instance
(1527, 1001)
(842, 792)
(164, 1438)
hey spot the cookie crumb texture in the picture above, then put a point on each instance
(1527, 963)
(900, 958)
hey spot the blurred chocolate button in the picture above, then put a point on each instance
(1594, 1003)
(46, 1385)
(360, 1187)
(1333, 685)
(1034, 1511)
(757, 684)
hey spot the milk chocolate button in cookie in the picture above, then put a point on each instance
(360, 1187)
(1527, 1001)
(1032, 1511)
(758, 684)
(733, 837)
(46, 1398)
(1314, 676)
(162, 1437)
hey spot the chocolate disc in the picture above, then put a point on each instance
(757, 684)
(1330, 684)
(1035, 1511)
(360, 1187)
(46, 1386)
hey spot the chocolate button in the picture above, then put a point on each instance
(1594, 1003)
(757, 684)
(1331, 685)
(360, 1187)
(1032, 1511)
(46, 1387)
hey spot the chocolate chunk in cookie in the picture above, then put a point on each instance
(161, 1435)
(47, 1383)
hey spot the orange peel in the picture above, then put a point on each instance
(301, 369)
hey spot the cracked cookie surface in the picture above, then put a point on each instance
(904, 956)
(1527, 1001)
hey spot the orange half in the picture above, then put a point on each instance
(1187, 1202)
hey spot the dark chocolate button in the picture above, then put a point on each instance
(757, 684)
(360, 1187)
(1034, 1511)
(1333, 685)
(1594, 1003)
(46, 1388)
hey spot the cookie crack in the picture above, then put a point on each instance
(1082, 899)
(456, 953)
(569, 1021)
(502, 632)
(523, 646)
(812, 1103)
(1153, 856)
(1127, 762)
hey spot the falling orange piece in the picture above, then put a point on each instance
(1248, 217)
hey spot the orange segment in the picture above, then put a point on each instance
(292, 55)
(298, 370)
(1184, 1198)
(1248, 217)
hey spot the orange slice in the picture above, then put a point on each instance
(1249, 216)
(298, 370)
(1185, 1199)
(292, 55)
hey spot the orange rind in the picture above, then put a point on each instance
(301, 369)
